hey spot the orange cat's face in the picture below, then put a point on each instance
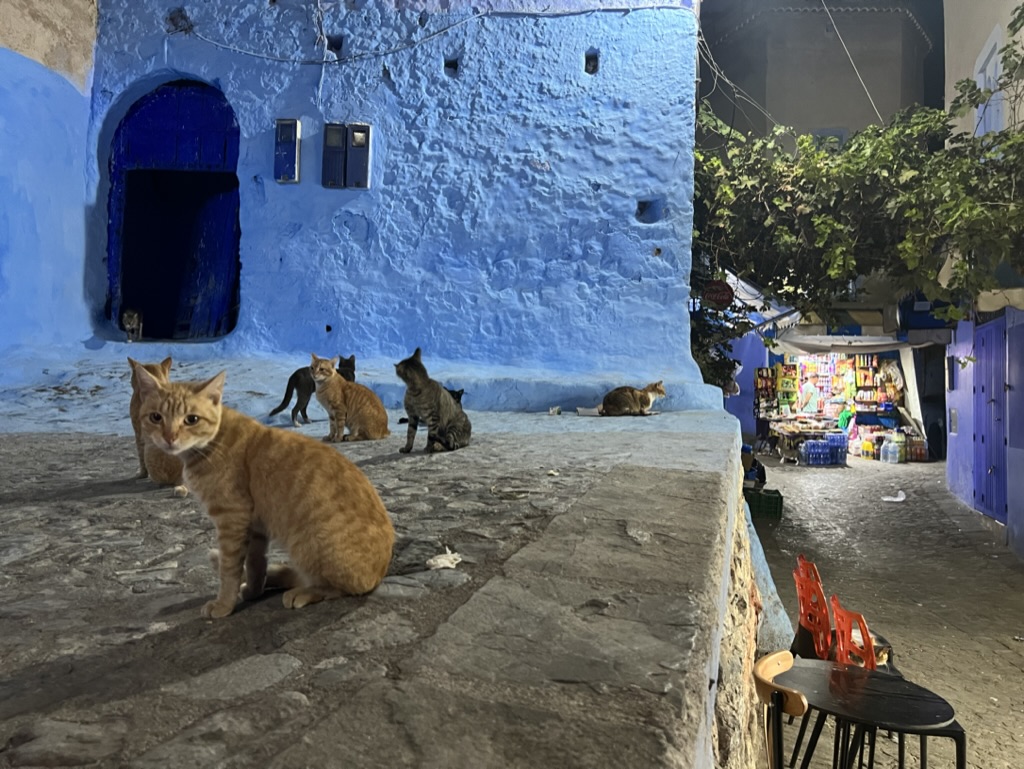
(178, 416)
(322, 368)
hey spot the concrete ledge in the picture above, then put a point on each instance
(605, 615)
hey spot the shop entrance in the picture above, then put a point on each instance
(173, 237)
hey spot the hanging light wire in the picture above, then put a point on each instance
(852, 63)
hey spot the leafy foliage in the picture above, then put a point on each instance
(804, 220)
(927, 207)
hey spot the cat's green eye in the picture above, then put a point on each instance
(155, 417)
(191, 420)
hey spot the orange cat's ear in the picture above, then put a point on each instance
(213, 388)
(133, 363)
(312, 358)
(335, 361)
(148, 384)
(165, 364)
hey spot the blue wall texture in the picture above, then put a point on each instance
(960, 398)
(528, 222)
(43, 124)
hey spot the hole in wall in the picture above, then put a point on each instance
(335, 43)
(423, 18)
(650, 210)
(177, 20)
(328, 328)
(385, 73)
(657, 252)
(451, 67)
(591, 62)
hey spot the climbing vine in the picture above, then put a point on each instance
(923, 206)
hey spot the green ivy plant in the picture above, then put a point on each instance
(805, 220)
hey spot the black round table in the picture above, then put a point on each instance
(870, 700)
(866, 696)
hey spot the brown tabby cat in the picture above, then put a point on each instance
(348, 403)
(260, 484)
(631, 402)
(153, 463)
(448, 427)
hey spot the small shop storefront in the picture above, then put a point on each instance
(818, 408)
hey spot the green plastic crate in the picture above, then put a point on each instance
(766, 502)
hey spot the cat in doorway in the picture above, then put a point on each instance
(131, 322)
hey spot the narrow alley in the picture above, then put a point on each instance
(927, 573)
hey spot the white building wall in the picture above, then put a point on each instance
(973, 30)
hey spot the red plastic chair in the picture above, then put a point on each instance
(814, 618)
(851, 649)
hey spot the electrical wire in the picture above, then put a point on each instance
(852, 63)
(415, 43)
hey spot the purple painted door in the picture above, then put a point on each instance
(990, 419)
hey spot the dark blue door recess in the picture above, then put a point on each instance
(173, 233)
(990, 419)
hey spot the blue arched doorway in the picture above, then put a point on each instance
(173, 232)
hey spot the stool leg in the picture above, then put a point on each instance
(924, 752)
(799, 737)
(902, 750)
(871, 750)
(815, 733)
(856, 747)
(961, 750)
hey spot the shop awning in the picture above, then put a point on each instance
(794, 343)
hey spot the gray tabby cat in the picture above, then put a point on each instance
(131, 322)
(448, 427)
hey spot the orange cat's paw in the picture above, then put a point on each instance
(143, 473)
(298, 597)
(216, 610)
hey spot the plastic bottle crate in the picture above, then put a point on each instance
(767, 502)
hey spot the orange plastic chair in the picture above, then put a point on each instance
(814, 619)
(849, 649)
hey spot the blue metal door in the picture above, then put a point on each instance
(173, 231)
(990, 419)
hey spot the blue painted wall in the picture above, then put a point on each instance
(1015, 430)
(43, 124)
(528, 224)
(960, 445)
(751, 352)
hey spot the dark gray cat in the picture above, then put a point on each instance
(448, 427)
(302, 381)
(456, 396)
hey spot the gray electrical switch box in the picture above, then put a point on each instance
(287, 139)
(358, 156)
(333, 171)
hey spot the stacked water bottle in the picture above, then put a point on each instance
(820, 453)
(838, 443)
(894, 449)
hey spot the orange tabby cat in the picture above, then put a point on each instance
(348, 403)
(260, 484)
(160, 467)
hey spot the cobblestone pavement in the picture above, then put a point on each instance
(104, 660)
(930, 575)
